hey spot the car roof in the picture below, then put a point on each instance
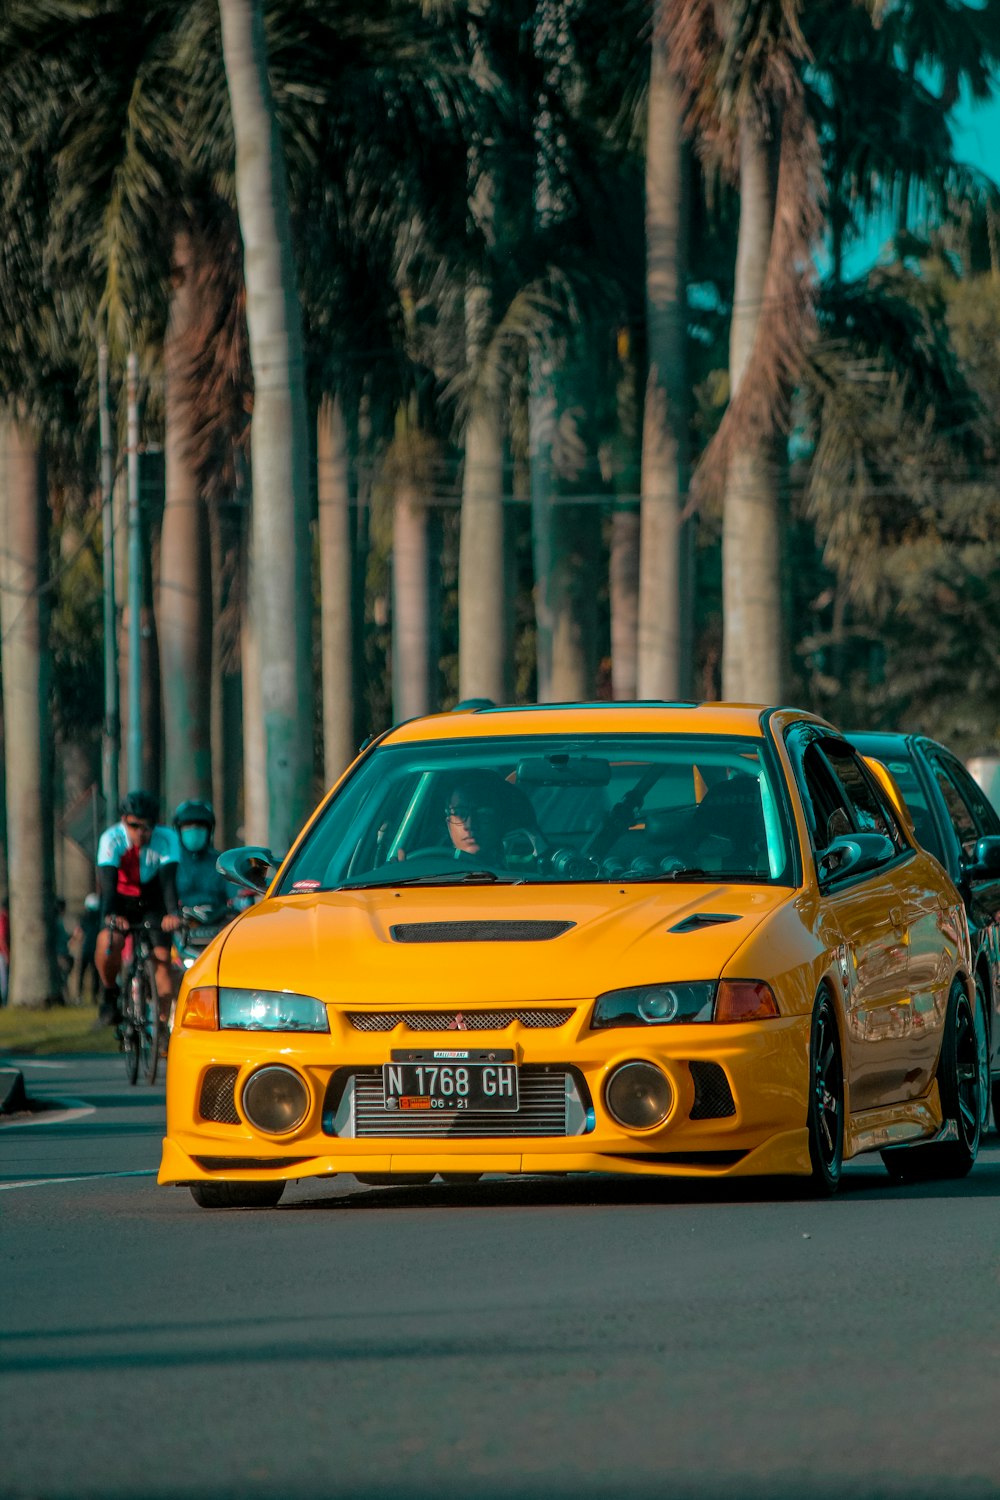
(648, 717)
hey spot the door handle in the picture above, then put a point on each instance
(898, 919)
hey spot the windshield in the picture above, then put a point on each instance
(628, 808)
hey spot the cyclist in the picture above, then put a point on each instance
(198, 881)
(136, 871)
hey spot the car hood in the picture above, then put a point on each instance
(346, 946)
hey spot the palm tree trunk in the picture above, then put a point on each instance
(751, 531)
(28, 748)
(184, 585)
(664, 650)
(411, 683)
(482, 643)
(279, 431)
(224, 525)
(623, 585)
(336, 604)
(255, 782)
(566, 536)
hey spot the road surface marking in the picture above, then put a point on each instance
(7, 1187)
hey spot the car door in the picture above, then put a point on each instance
(870, 915)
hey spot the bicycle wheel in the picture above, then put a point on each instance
(129, 1029)
(149, 1024)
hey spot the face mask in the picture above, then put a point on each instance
(194, 838)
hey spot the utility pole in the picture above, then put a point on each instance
(112, 712)
(134, 582)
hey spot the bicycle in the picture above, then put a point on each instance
(141, 1028)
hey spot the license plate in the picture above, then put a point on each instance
(450, 1079)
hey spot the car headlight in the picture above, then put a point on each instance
(270, 1010)
(655, 1004)
(719, 1000)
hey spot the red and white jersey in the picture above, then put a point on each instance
(137, 867)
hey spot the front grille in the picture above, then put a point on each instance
(218, 1096)
(713, 1098)
(478, 932)
(457, 1020)
(553, 1102)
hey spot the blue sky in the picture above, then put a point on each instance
(976, 131)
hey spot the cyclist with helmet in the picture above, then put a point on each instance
(198, 881)
(137, 878)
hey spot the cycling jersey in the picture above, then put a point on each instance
(137, 867)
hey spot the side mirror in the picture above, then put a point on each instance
(854, 853)
(985, 860)
(250, 866)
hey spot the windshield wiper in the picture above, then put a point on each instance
(463, 877)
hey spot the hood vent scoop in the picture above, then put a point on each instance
(703, 919)
(478, 932)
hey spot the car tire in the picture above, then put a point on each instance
(960, 1082)
(983, 1048)
(825, 1114)
(237, 1194)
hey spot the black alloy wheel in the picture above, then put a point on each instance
(983, 1048)
(826, 1099)
(960, 1083)
(237, 1194)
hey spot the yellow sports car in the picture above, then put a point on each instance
(671, 939)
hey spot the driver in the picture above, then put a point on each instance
(480, 810)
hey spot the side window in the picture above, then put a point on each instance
(828, 810)
(959, 811)
(872, 813)
(985, 814)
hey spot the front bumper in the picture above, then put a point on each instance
(765, 1064)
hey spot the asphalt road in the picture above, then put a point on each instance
(520, 1339)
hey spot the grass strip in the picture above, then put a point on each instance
(63, 1028)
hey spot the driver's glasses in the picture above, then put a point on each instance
(461, 812)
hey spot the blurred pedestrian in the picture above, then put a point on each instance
(84, 939)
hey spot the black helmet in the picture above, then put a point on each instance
(142, 805)
(193, 811)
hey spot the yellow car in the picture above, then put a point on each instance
(663, 939)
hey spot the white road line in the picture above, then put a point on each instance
(33, 1062)
(70, 1109)
(8, 1187)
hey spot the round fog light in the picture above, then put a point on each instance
(275, 1099)
(638, 1095)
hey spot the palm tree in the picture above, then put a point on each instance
(279, 431)
(24, 613)
(184, 620)
(664, 667)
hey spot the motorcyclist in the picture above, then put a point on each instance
(199, 883)
(136, 872)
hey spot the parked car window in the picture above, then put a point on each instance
(959, 811)
(985, 814)
(925, 825)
